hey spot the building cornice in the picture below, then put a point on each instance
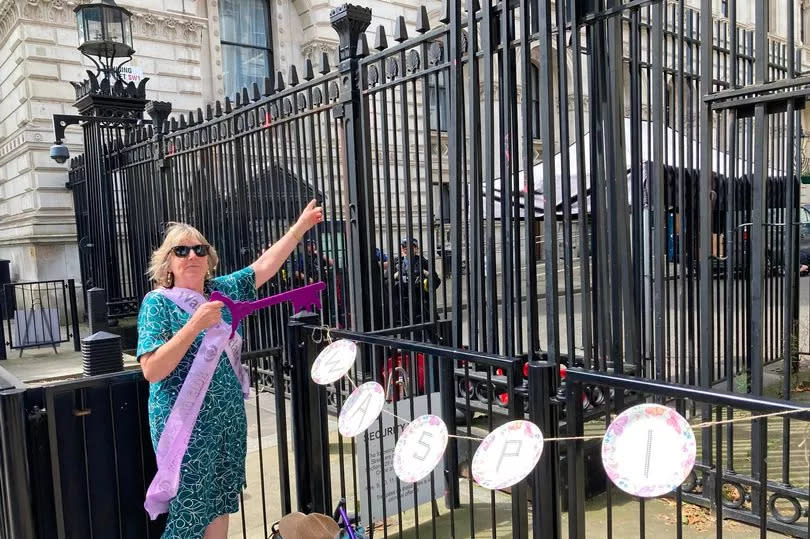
(145, 23)
(314, 48)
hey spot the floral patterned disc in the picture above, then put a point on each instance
(507, 455)
(648, 450)
(420, 448)
(333, 362)
(361, 409)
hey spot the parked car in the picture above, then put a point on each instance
(774, 250)
(804, 227)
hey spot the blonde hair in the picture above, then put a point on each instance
(158, 270)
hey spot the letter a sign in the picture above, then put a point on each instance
(361, 409)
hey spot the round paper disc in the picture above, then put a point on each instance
(333, 362)
(648, 450)
(507, 455)
(361, 409)
(420, 448)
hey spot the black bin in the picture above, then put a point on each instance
(8, 303)
(101, 354)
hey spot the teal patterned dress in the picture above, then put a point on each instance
(213, 470)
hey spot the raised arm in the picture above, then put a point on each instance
(273, 258)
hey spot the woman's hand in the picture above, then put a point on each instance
(208, 314)
(311, 216)
(161, 363)
(271, 260)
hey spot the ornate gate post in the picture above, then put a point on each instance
(103, 101)
(350, 22)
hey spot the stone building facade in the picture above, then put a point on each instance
(192, 56)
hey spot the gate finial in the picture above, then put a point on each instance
(380, 41)
(349, 21)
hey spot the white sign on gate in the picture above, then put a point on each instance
(131, 74)
(37, 327)
(382, 459)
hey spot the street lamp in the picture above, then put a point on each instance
(105, 34)
(105, 37)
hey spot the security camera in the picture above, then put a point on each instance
(60, 153)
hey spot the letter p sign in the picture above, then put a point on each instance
(507, 455)
(511, 450)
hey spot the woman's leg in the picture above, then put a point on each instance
(218, 529)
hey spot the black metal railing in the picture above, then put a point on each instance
(726, 483)
(77, 456)
(43, 313)
(361, 474)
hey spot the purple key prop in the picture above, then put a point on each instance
(301, 298)
(346, 521)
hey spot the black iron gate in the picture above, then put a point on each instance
(384, 141)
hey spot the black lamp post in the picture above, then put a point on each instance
(109, 109)
(105, 35)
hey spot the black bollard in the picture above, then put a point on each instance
(97, 310)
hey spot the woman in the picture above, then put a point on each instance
(196, 407)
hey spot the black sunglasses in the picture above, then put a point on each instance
(183, 250)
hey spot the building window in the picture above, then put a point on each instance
(444, 202)
(805, 21)
(775, 10)
(535, 84)
(247, 54)
(437, 100)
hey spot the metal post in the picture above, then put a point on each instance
(159, 112)
(97, 315)
(791, 254)
(447, 384)
(545, 478)
(546, 96)
(310, 433)
(74, 315)
(520, 501)
(281, 430)
(16, 515)
(624, 291)
(759, 431)
(658, 189)
(576, 462)
(3, 355)
(705, 262)
(455, 151)
(350, 22)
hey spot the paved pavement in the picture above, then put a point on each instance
(35, 366)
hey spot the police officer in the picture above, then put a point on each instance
(412, 279)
